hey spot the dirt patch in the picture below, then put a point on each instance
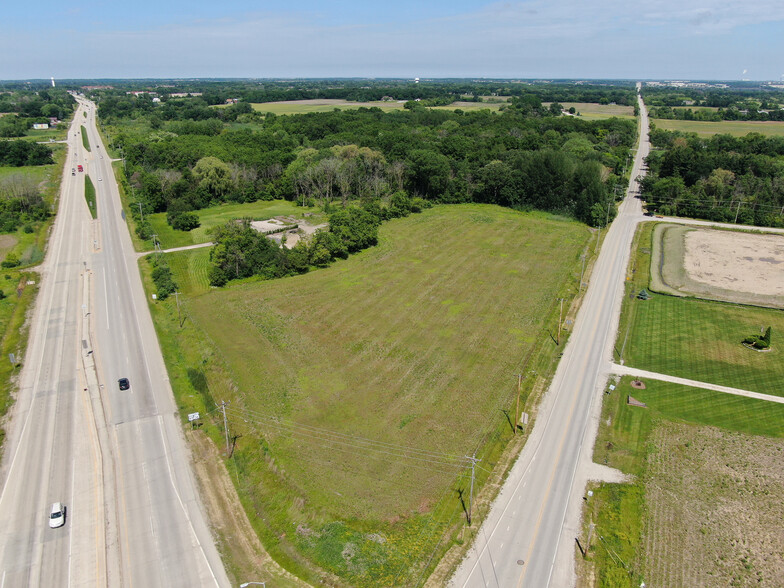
(715, 502)
(744, 262)
(731, 266)
(242, 552)
(302, 229)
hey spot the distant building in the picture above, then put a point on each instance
(40, 126)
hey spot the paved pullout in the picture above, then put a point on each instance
(528, 536)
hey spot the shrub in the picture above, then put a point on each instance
(186, 221)
(10, 260)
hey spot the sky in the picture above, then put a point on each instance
(618, 39)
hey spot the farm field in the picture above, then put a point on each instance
(218, 215)
(327, 105)
(729, 127)
(366, 382)
(705, 503)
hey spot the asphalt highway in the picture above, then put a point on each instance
(116, 459)
(522, 541)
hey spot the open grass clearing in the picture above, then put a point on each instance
(410, 343)
(218, 215)
(728, 127)
(701, 340)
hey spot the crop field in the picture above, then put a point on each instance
(729, 127)
(327, 105)
(218, 215)
(357, 389)
(704, 506)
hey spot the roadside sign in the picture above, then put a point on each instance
(12, 358)
(193, 416)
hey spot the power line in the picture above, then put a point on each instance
(358, 443)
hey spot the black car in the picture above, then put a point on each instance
(124, 383)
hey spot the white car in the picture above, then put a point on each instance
(57, 518)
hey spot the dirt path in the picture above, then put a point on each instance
(243, 554)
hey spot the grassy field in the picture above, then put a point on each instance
(592, 110)
(696, 339)
(218, 215)
(729, 127)
(409, 344)
(327, 105)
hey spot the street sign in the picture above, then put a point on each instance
(193, 416)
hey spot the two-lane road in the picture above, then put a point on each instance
(518, 544)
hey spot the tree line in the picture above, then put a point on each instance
(720, 178)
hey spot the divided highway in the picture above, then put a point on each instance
(523, 540)
(116, 459)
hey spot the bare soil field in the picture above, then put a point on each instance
(745, 268)
(715, 504)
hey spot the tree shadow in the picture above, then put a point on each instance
(508, 420)
(234, 443)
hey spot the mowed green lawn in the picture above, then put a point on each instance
(411, 343)
(704, 407)
(701, 340)
(218, 215)
(729, 127)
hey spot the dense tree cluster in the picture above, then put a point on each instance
(721, 178)
(20, 153)
(32, 107)
(759, 104)
(525, 157)
(431, 92)
(20, 203)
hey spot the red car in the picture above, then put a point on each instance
(80, 168)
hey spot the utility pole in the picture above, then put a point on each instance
(517, 405)
(560, 313)
(179, 317)
(141, 213)
(473, 461)
(225, 425)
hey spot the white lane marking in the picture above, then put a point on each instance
(70, 525)
(106, 299)
(184, 510)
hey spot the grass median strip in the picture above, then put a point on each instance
(89, 196)
(85, 140)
